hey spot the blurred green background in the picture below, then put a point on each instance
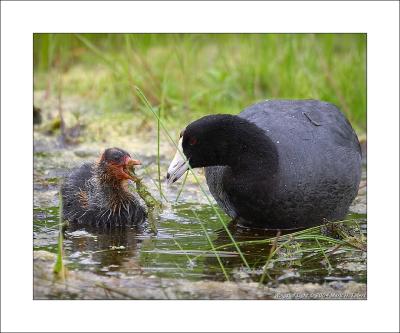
(186, 76)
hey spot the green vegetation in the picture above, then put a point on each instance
(210, 201)
(185, 76)
(316, 234)
(209, 240)
(308, 251)
(168, 80)
(59, 268)
(153, 205)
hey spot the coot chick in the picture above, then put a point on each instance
(97, 193)
(279, 164)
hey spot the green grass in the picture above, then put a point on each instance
(190, 261)
(210, 201)
(313, 233)
(312, 246)
(212, 247)
(59, 268)
(185, 76)
(181, 187)
(323, 243)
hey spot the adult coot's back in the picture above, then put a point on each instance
(279, 164)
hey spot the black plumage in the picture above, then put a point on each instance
(279, 164)
(97, 193)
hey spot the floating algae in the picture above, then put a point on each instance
(153, 205)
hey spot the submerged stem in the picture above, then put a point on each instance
(181, 248)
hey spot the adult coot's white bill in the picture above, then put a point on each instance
(279, 164)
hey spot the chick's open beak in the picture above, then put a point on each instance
(130, 162)
(129, 170)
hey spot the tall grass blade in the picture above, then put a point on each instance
(157, 185)
(146, 102)
(181, 189)
(190, 261)
(212, 247)
(158, 152)
(96, 51)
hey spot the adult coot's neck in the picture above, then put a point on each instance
(232, 141)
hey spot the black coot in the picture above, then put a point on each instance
(279, 164)
(97, 193)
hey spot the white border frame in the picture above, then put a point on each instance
(379, 19)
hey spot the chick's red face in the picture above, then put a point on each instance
(118, 163)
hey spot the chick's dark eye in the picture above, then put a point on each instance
(192, 140)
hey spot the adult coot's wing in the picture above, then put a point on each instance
(318, 151)
(306, 119)
(214, 177)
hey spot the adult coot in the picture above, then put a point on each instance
(97, 193)
(279, 164)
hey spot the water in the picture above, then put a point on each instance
(180, 249)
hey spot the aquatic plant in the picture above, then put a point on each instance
(171, 140)
(59, 267)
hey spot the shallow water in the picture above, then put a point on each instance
(180, 248)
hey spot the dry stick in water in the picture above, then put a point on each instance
(114, 290)
(324, 254)
(271, 254)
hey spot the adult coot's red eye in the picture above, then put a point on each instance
(192, 141)
(280, 164)
(97, 192)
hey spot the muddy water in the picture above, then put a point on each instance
(180, 248)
